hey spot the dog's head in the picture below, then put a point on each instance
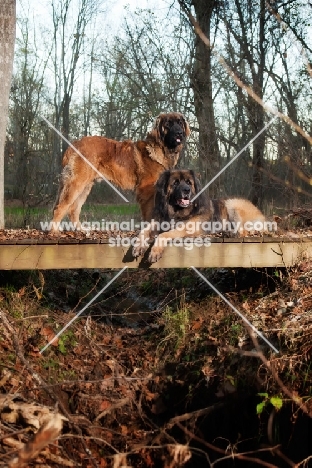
(175, 190)
(172, 129)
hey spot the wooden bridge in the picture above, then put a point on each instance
(62, 253)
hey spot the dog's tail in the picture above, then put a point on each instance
(65, 178)
(247, 216)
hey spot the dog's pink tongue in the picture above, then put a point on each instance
(183, 202)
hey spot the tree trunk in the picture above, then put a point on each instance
(257, 117)
(7, 41)
(209, 156)
(65, 121)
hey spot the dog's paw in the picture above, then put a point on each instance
(139, 249)
(155, 254)
(56, 231)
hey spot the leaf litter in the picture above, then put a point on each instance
(131, 393)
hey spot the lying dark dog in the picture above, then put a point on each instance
(175, 215)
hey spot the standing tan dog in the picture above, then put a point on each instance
(130, 165)
(176, 216)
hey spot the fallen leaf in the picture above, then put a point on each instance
(124, 429)
(104, 405)
(49, 334)
(196, 325)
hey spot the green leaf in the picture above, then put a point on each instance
(61, 347)
(231, 379)
(276, 402)
(260, 407)
(264, 395)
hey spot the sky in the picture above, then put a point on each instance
(106, 24)
(115, 9)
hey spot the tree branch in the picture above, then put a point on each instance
(238, 81)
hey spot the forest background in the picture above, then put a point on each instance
(159, 362)
(94, 69)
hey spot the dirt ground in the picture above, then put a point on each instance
(158, 371)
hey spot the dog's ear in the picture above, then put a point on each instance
(162, 121)
(201, 200)
(196, 181)
(158, 127)
(160, 211)
(186, 126)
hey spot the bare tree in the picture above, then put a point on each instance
(251, 39)
(294, 151)
(116, 85)
(201, 83)
(69, 21)
(7, 40)
(26, 93)
(143, 75)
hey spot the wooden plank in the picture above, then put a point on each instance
(27, 241)
(232, 240)
(29, 257)
(67, 241)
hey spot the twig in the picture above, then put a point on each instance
(303, 462)
(86, 295)
(241, 456)
(93, 438)
(194, 414)
(11, 434)
(118, 404)
(33, 317)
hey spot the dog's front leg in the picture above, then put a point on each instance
(161, 242)
(141, 242)
(191, 230)
(158, 248)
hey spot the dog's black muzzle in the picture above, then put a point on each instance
(183, 195)
(175, 136)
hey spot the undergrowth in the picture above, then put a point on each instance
(188, 374)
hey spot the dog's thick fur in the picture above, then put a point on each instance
(129, 165)
(174, 191)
